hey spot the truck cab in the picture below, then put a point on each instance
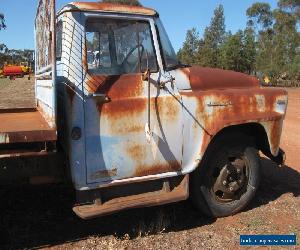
(138, 127)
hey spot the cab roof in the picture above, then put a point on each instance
(108, 8)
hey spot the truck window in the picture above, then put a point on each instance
(116, 47)
(169, 55)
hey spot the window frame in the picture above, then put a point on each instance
(165, 67)
(125, 18)
(59, 27)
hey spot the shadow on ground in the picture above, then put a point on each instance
(32, 217)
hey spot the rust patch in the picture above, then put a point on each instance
(275, 134)
(165, 108)
(157, 169)
(127, 100)
(244, 107)
(116, 86)
(115, 8)
(137, 152)
(209, 78)
(104, 174)
(84, 58)
(123, 109)
(121, 128)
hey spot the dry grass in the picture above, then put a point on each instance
(4, 82)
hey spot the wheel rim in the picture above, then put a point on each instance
(229, 179)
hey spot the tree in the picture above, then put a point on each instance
(238, 51)
(249, 50)
(126, 2)
(187, 54)
(291, 5)
(286, 39)
(260, 16)
(213, 38)
(276, 35)
(2, 21)
(13, 56)
(231, 52)
(295, 67)
(260, 20)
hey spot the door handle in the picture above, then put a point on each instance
(100, 97)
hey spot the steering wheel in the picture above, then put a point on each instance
(132, 68)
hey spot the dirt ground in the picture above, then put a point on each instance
(41, 217)
(16, 93)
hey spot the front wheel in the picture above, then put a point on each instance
(227, 177)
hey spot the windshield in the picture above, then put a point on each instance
(169, 55)
(119, 46)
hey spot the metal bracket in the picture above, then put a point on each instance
(100, 97)
(162, 84)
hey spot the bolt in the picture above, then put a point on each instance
(230, 178)
(231, 189)
(224, 183)
(228, 172)
(238, 171)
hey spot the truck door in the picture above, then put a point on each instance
(117, 107)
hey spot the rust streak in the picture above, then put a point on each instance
(158, 168)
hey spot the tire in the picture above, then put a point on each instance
(228, 176)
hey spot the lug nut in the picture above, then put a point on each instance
(224, 183)
(231, 189)
(238, 171)
(228, 172)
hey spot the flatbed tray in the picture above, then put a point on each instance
(24, 125)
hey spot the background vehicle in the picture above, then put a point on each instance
(143, 129)
(13, 71)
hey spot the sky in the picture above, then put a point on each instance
(177, 16)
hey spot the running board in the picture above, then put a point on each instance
(164, 196)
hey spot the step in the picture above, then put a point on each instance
(149, 199)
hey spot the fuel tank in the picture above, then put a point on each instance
(12, 71)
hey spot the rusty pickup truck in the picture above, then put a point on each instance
(137, 127)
